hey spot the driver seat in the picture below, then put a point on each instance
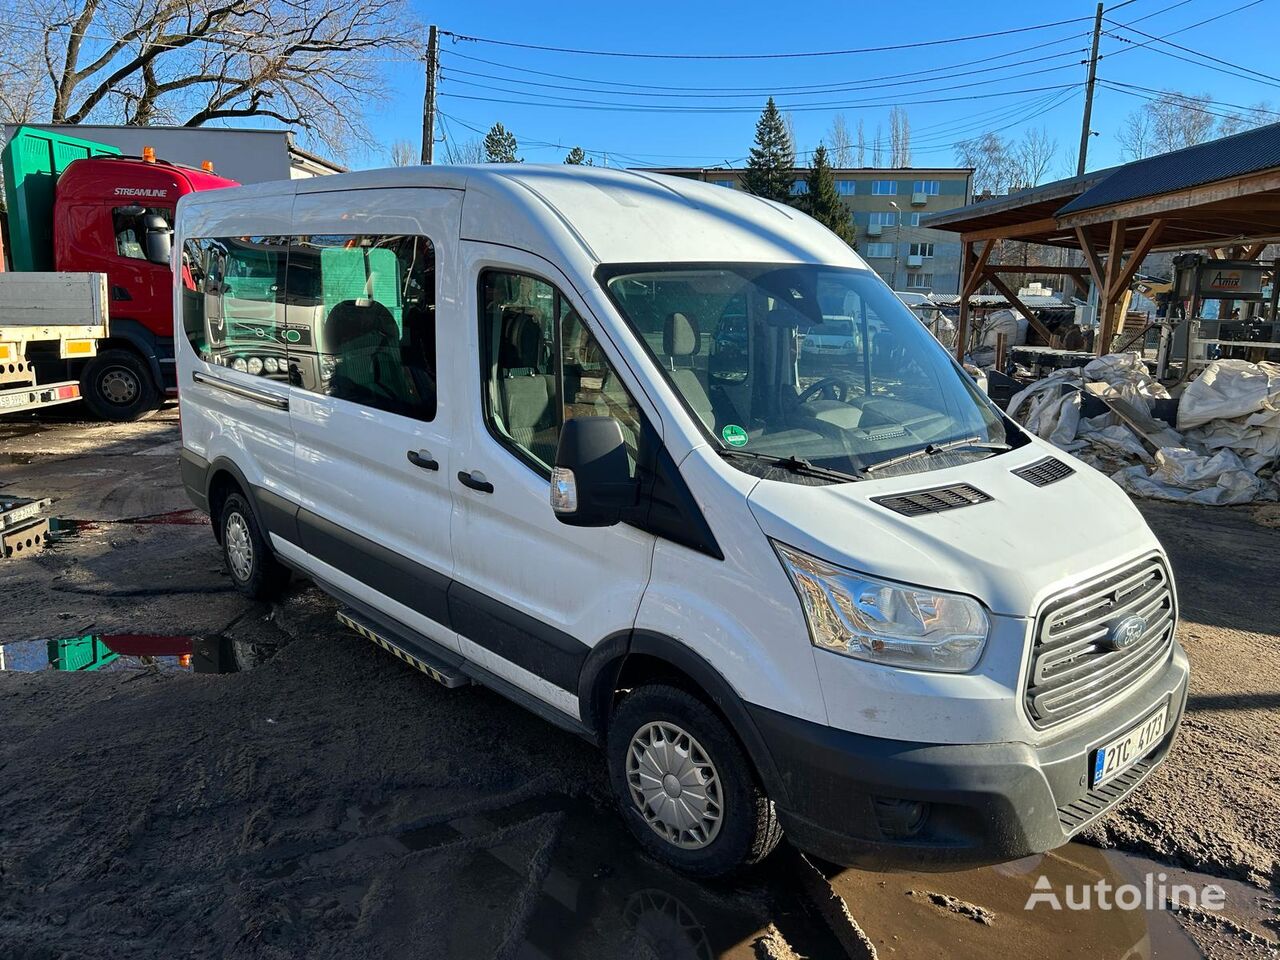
(680, 339)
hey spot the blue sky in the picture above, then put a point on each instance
(1033, 78)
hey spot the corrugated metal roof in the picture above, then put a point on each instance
(996, 300)
(1234, 156)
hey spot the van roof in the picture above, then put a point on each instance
(606, 215)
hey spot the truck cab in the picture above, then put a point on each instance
(114, 215)
(77, 206)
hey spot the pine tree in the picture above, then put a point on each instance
(771, 167)
(576, 157)
(822, 202)
(500, 145)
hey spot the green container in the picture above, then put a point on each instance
(33, 160)
(80, 653)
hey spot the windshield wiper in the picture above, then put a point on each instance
(933, 449)
(793, 464)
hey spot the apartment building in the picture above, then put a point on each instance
(887, 206)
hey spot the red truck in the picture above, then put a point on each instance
(79, 207)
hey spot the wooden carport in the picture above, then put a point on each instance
(1222, 196)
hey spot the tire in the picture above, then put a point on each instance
(252, 567)
(117, 385)
(747, 829)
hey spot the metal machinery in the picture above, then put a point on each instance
(1198, 340)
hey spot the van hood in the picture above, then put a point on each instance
(1011, 552)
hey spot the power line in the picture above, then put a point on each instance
(464, 38)
(1174, 33)
(1176, 46)
(776, 89)
(1184, 102)
(681, 108)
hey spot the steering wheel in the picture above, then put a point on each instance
(830, 388)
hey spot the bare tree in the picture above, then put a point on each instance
(789, 119)
(402, 153)
(995, 167)
(1169, 122)
(469, 151)
(899, 138)
(862, 144)
(1034, 155)
(877, 149)
(841, 143)
(309, 64)
(1258, 115)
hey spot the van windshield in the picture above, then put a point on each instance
(803, 362)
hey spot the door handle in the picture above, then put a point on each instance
(423, 459)
(475, 481)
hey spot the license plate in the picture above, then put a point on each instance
(1131, 746)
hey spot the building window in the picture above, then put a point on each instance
(846, 188)
(913, 219)
(723, 183)
(799, 188)
(884, 188)
(876, 250)
(922, 250)
(919, 281)
(883, 218)
(928, 187)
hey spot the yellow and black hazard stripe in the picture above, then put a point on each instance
(387, 645)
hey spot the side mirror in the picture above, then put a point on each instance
(591, 485)
(158, 239)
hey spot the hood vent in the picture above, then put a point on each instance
(1044, 472)
(934, 500)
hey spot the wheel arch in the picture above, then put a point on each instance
(644, 655)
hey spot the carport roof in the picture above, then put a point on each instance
(1212, 194)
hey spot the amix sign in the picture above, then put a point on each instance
(1241, 281)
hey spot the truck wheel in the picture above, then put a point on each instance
(254, 570)
(684, 785)
(117, 385)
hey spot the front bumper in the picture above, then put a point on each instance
(842, 794)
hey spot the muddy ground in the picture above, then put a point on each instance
(330, 802)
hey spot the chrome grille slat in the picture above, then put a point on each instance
(1072, 670)
(1059, 658)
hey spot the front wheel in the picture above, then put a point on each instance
(117, 385)
(684, 786)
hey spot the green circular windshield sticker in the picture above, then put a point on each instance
(734, 435)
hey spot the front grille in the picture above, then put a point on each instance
(1044, 472)
(1072, 668)
(933, 501)
(1098, 801)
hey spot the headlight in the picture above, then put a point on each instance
(239, 364)
(255, 365)
(885, 622)
(271, 365)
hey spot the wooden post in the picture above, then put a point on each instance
(1106, 322)
(1018, 305)
(962, 322)
(429, 96)
(1001, 346)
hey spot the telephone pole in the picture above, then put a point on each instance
(1088, 93)
(429, 98)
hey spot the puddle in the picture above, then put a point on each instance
(134, 651)
(981, 913)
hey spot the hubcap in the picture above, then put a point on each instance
(674, 785)
(119, 385)
(239, 547)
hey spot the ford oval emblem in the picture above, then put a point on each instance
(1126, 633)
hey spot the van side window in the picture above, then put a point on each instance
(360, 320)
(543, 366)
(230, 307)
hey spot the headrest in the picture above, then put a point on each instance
(679, 336)
(352, 319)
(521, 341)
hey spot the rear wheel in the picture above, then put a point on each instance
(684, 786)
(254, 570)
(117, 385)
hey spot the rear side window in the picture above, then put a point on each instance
(350, 316)
(128, 224)
(542, 366)
(360, 320)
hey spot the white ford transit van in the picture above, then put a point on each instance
(558, 431)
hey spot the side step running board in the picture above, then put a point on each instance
(438, 671)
